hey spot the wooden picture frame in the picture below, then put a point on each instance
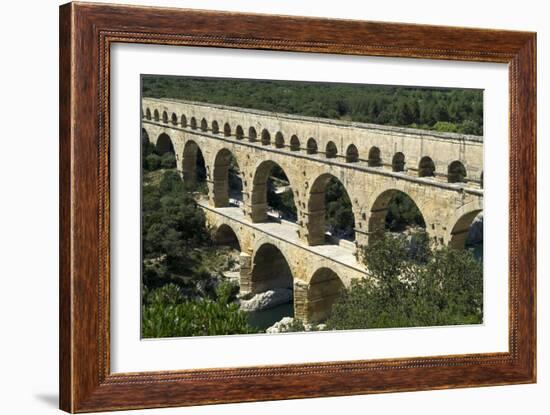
(86, 33)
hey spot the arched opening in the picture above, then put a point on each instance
(174, 119)
(456, 172)
(226, 236)
(226, 130)
(294, 143)
(272, 194)
(323, 290)
(165, 117)
(194, 168)
(329, 211)
(165, 149)
(331, 150)
(252, 135)
(270, 270)
(426, 167)
(147, 149)
(204, 125)
(398, 162)
(467, 232)
(215, 127)
(279, 140)
(148, 113)
(311, 146)
(193, 123)
(228, 185)
(352, 154)
(156, 115)
(239, 132)
(184, 121)
(266, 138)
(395, 211)
(374, 157)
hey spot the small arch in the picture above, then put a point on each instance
(174, 119)
(294, 143)
(267, 258)
(165, 117)
(265, 137)
(311, 146)
(215, 127)
(374, 157)
(193, 123)
(426, 167)
(398, 162)
(148, 113)
(279, 140)
(352, 154)
(324, 289)
(456, 172)
(252, 135)
(156, 115)
(331, 150)
(239, 133)
(204, 125)
(226, 130)
(225, 235)
(184, 121)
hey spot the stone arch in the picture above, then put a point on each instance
(174, 119)
(156, 115)
(324, 288)
(164, 144)
(184, 121)
(374, 157)
(226, 130)
(259, 201)
(193, 123)
(265, 137)
(279, 140)
(224, 162)
(204, 125)
(398, 162)
(352, 154)
(215, 127)
(148, 113)
(460, 225)
(456, 172)
(316, 208)
(165, 117)
(311, 146)
(267, 258)
(331, 150)
(225, 235)
(252, 134)
(426, 167)
(192, 156)
(294, 143)
(239, 132)
(380, 207)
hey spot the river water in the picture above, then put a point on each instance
(263, 319)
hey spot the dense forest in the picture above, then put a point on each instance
(441, 109)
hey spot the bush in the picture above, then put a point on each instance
(168, 161)
(153, 162)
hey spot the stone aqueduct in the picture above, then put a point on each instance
(441, 172)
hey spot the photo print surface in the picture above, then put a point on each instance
(282, 206)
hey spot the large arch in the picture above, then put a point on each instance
(331, 150)
(259, 196)
(225, 235)
(386, 213)
(317, 209)
(193, 166)
(164, 144)
(456, 172)
(267, 259)
(323, 290)
(226, 175)
(461, 227)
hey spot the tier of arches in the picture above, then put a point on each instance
(456, 171)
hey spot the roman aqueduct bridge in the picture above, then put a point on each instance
(441, 172)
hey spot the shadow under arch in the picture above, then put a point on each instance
(270, 269)
(329, 197)
(225, 235)
(164, 144)
(461, 228)
(193, 165)
(227, 180)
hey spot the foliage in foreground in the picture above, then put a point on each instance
(424, 288)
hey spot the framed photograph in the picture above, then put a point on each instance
(260, 207)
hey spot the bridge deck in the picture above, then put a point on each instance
(288, 233)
